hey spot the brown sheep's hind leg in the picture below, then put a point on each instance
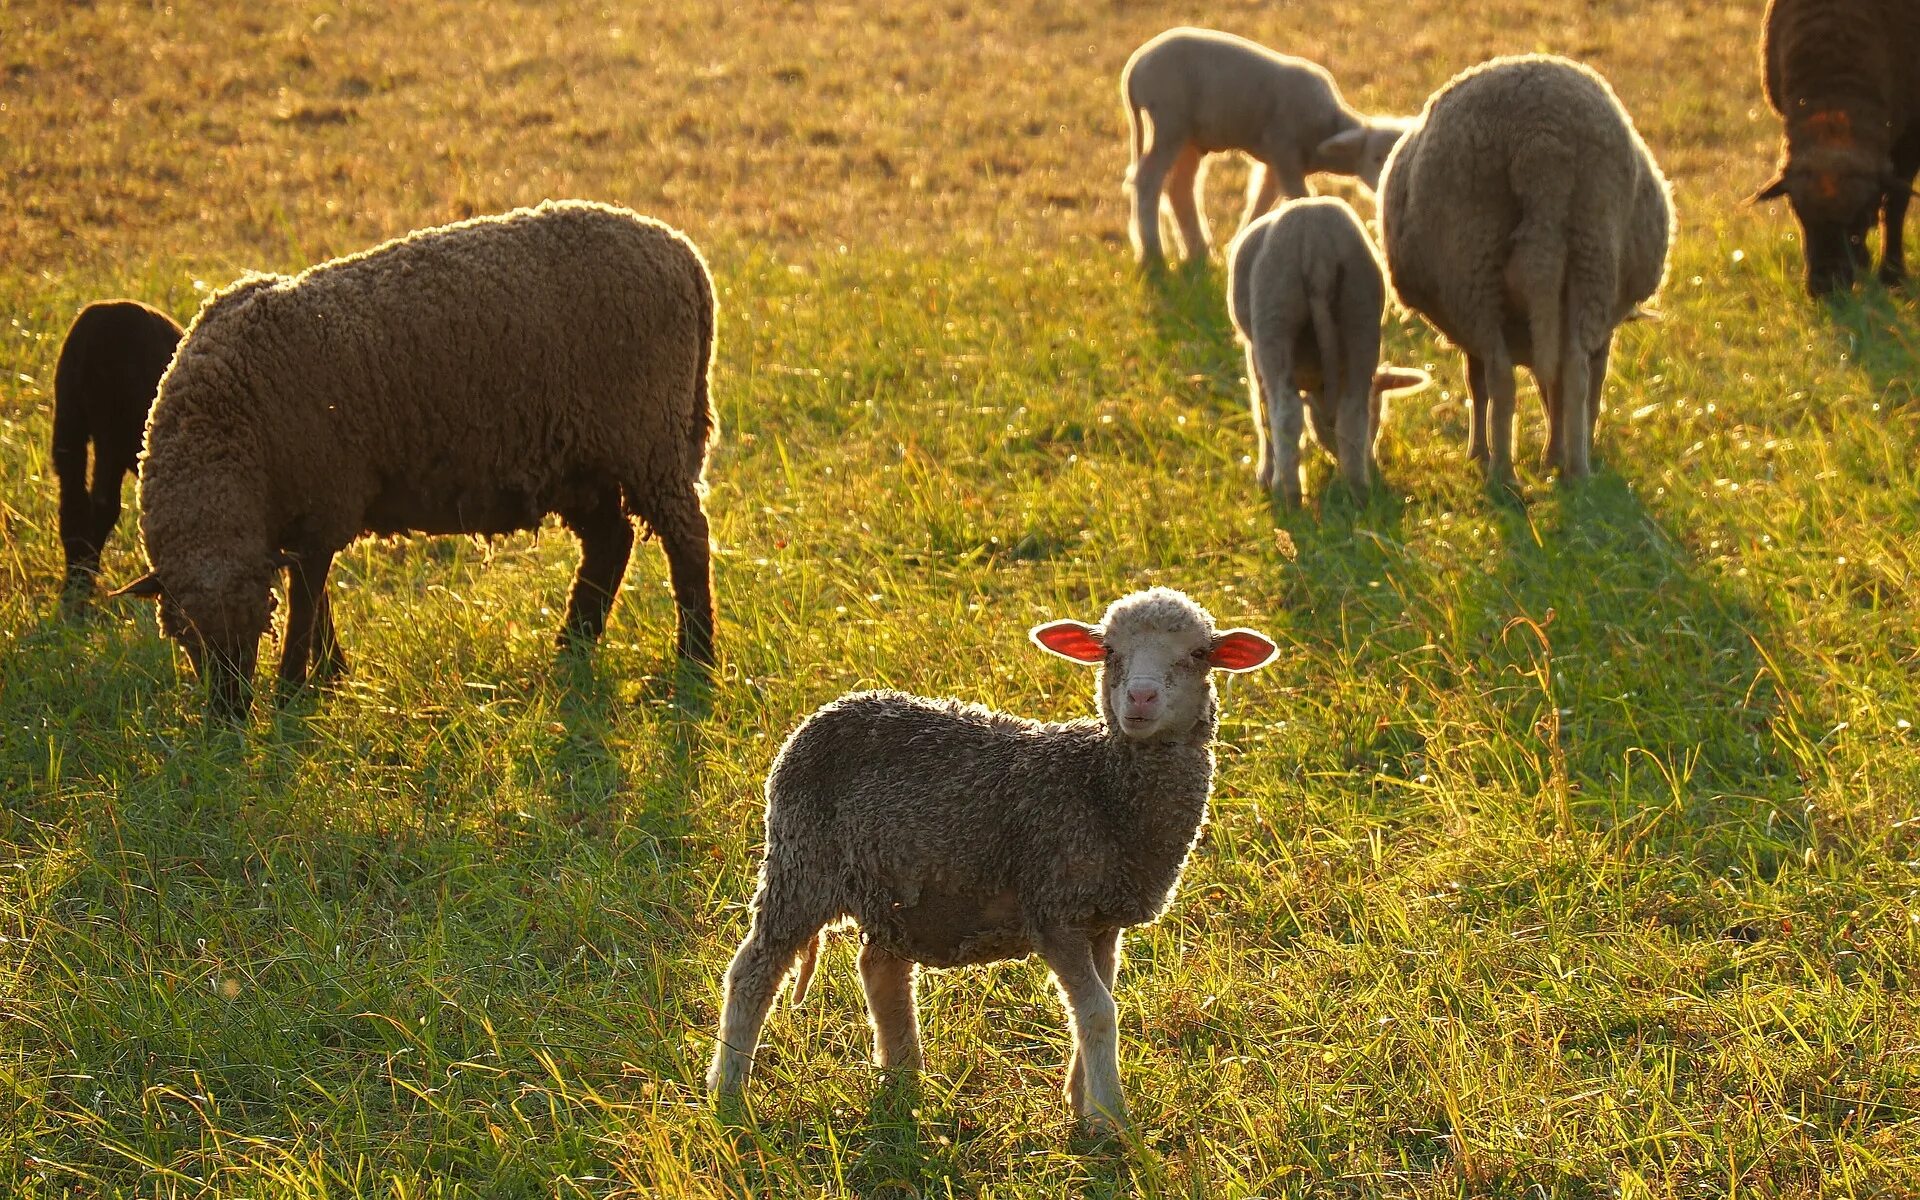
(1477, 407)
(606, 543)
(681, 522)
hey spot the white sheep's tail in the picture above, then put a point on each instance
(1331, 364)
(809, 959)
(1537, 269)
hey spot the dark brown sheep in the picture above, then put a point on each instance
(465, 379)
(956, 835)
(1845, 77)
(110, 366)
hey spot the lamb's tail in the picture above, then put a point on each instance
(1537, 268)
(809, 959)
(1325, 335)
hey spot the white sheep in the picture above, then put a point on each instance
(1306, 293)
(953, 834)
(1524, 217)
(1192, 92)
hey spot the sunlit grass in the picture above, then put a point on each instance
(1565, 849)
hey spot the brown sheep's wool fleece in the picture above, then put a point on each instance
(110, 366)
(1845, 78)
(465, 379)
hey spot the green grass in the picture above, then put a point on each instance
(1567, 849)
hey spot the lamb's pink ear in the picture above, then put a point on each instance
(1772, 191)
(1397, 380)
(147, 587)
(1070, 639)
(1241, 650)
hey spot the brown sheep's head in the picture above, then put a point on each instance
(219, 621)
(1836, 187)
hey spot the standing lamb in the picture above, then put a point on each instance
(465, 379)
(1524, 217)
(110, 366)
(1193, 92)
(954, 834)
(1306, 293)
(1846, 79)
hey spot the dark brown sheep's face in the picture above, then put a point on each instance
(1836, 188)
(219, 624)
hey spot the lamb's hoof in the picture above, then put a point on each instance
(1103, 1126)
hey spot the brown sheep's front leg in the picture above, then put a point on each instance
(1893, 220)
(309, 618)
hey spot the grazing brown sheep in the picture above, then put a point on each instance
(110, 365)
(465, 379)
(1525, 218)
(955, 834)
(1845, 77)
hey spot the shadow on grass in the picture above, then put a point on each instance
(1584, 625)
(1188, 307)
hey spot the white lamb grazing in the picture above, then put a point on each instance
(954, 834)
(1306, 293)
(1194, 92)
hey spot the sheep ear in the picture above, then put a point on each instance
(1341, 147)
(147, 587)
(1241, 650)
(1400, 380)
(1070, 639)
(1772, 191)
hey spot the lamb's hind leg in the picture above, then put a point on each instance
(1183, 196)
(888, 981)
(606, 543)
(783, 925)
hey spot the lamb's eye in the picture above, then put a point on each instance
(1199, 655)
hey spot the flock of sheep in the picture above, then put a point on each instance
(476, 377)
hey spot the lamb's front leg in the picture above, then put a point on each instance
(1096, 1031)
(1106, 960)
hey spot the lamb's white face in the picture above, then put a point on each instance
(1156, 680)
(1156, 651)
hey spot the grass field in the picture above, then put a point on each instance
(1568, 849)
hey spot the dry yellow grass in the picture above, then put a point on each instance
(279, 132)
